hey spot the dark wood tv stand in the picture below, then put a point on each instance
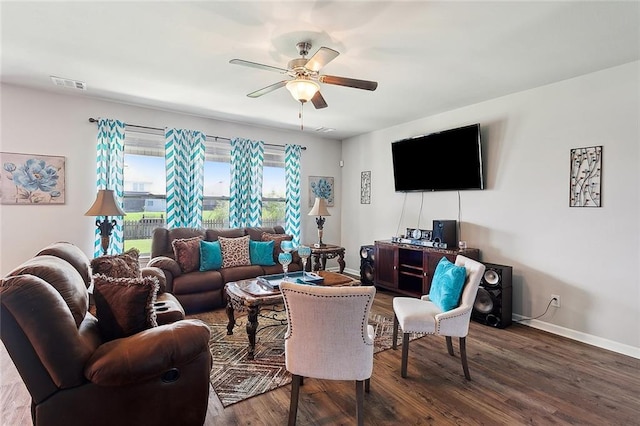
(408, 269)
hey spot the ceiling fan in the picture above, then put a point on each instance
(306, 75)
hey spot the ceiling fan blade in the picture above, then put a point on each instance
(318, 101)
(349, 82)
(267, 89)
(257, 65)
(322, 57)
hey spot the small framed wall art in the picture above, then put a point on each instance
(31, 179)
(321, 187)
(365, 187)
(586, 177)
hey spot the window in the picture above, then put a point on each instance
(145, 187)
(273, 187)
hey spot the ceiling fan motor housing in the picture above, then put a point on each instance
(297, 66)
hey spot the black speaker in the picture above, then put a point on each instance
(445, 231)
(367, 271)
(493, 302)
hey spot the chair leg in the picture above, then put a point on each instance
(449, 345)
(395, 333)
(367, 385)
(405, 354)
(295, 392)
(360, 385)
(463, 357)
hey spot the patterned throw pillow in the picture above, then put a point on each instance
(123, 265)
(187, 253)
(278, 239)
(124, 306)
(235, 251)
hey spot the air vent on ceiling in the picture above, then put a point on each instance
(325, 129)
(67, 82)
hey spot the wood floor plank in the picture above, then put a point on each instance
(520, 376)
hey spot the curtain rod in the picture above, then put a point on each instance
(216, 138)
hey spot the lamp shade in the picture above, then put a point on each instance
(302, 89)
(319, 208)
(105, 205)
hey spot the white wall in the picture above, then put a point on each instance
(588, 256)
(40, 122)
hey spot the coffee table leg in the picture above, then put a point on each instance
(232, 319)
(252, 327)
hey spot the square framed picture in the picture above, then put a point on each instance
(321, 187)
(31, 179)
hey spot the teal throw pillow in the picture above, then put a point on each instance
(446, 285)
(261, 253)
(210, 255)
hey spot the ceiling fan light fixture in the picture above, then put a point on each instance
(302, 89)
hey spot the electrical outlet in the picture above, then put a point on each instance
(555, 300)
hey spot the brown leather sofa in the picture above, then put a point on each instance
(159, 376)
(201, 291)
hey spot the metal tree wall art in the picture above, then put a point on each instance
(586, 176)
(365, 187)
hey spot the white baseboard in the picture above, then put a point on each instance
(566, 332)
(580, 336)
(349, 271)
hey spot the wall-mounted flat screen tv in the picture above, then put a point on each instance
(450, 160)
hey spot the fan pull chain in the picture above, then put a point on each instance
(300, 116)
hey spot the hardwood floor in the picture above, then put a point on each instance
(520, 375)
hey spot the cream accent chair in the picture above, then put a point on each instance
(423, 316)
(328, 337)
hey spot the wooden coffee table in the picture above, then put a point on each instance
(251, 296)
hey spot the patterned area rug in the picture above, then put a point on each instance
(235, 378)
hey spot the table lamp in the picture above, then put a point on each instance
(319, 209)
(105, 205)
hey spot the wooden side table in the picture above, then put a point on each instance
(329, 251)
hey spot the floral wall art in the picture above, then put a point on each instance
(322, 187)
(31, 179)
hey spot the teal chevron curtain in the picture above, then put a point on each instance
(245, 194)
(184, 159)
(292, 178)
(110, 175)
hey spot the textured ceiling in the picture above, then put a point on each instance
(428, 57)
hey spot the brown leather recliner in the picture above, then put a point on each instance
(159, 376)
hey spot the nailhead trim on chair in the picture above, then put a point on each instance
(364, 322)
(454, 316)
(438, 330)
